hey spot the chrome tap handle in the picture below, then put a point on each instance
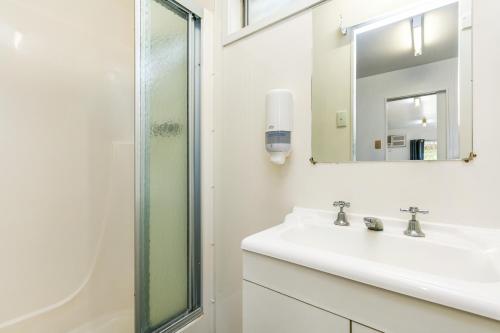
(414, 211)
(341, 215)
(341, 204)
(414, 229)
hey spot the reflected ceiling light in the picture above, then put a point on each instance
(416, 101)
(424, 122)
(417, 32)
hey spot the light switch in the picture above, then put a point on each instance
(341, 118)
(466, 21)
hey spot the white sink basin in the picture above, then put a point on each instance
(469, 261)
(453, 266)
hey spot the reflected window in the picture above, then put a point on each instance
(431, 151)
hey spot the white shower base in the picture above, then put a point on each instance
(119, 322)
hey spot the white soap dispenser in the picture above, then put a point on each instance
(279, 123)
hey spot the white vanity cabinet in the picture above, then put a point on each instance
(280, 297)
(266, 311)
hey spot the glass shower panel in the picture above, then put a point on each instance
(169, 285)
(167, 163)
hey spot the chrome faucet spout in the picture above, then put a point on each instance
(373, 223)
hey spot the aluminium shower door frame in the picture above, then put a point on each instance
(195, 309)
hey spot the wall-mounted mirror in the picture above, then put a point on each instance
(392, 80)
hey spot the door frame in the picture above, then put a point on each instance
(438, 93)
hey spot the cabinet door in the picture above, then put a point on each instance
(358, 328)
(266, 311)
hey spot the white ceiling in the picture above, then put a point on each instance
(390, 48)
(404, 113)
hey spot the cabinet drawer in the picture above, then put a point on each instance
(266, 311)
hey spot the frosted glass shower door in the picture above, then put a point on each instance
(170, 286)
(168, 164)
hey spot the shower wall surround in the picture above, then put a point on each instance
(66, 137)
(252, 194)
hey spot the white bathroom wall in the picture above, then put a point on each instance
(66, 180)
(372, 92)
(330, 87)
(207, 4)
(251, 194)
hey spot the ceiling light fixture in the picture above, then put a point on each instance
(424, 122)
(417, 32)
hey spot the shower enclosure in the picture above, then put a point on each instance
(168, 237)
(67, 171)
(91, 179)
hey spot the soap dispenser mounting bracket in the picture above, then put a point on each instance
(343, 29)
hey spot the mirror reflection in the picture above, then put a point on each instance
(414, 128)
(406, 93)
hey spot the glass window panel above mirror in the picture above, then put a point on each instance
(257, 10)
(395, 85)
